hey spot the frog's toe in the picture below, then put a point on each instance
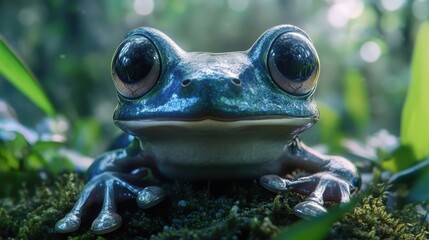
(323, 187)
(109, 187)
(274, 183)
(150, 196)
(106, 222)
(319, 187)
(72, 220)
(69, 223)
(310, 208)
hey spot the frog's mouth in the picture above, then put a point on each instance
(293, 125)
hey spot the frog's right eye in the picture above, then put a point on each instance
(136, 66)
(293, 63)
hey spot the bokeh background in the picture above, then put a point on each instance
(365, 49)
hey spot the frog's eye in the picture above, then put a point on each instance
(135, 66)
(293, 63)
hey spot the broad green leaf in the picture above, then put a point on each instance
(85, 136)
(419, 190)
(319, 227)
(329, 126)
(415, 114)
(7, 160)
(356, 99)
(412, 172)
(402, 158)
(14, 70)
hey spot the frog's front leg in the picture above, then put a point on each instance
(114, 176)
(334, 179)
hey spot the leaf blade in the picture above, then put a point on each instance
(415, 113)
(356, 99)
(15, 71)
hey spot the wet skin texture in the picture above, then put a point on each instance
(213, 116)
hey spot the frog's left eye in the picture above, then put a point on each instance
(293, 63)
(136, 66)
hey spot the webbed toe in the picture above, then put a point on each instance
(150, 196)
(274, 183)
(106, 222)
(309, 209)
(69, 223)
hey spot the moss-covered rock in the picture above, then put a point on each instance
(202, 210)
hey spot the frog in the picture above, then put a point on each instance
(213, 116)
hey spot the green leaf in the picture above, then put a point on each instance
(329, 126)
(418, 190)
(402, 158)
(86, 136)
(7, 160)
(415, 114)
(356, 99)
(319, 227)
(14, 70)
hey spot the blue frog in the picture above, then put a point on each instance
(211, 116)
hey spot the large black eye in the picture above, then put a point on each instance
(293, 63)
(135, 66)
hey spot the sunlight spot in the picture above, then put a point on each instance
(341, 12)
(336, 17)
(144, 7)
(392, 5)
(370, 52)
(354, 8)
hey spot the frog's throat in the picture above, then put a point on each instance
(133, 126)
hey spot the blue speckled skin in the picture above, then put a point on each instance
(213, 116)
(213, 96)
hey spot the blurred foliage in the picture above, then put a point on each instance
(406, 157)
(29, 156)
(19, 154)
(415, 114)
(85, 137)
(16, 72)
(330, 127)
(356, 101)
(25, 163)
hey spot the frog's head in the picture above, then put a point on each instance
(271, 83)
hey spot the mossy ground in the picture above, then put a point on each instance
(203, 210)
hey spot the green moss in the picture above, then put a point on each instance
(204, 210)
(32, 215)
(371, 220)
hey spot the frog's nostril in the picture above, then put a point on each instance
(236, 81)
(186, 82)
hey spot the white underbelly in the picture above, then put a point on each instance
(216, 150)
(216, 158)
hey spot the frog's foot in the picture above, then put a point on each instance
(109, 187)
(319, 187)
